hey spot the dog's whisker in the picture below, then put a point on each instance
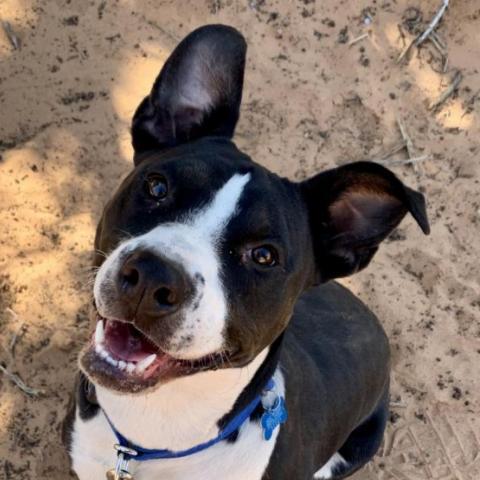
(101, 252)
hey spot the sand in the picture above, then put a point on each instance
(311, 102)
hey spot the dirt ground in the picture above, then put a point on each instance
(311, 101)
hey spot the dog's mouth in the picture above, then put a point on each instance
(126, 348)
(120, 356)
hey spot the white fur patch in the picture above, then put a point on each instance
(178, 415)
(326, 472)
(191, 243)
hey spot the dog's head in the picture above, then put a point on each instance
(206, 251)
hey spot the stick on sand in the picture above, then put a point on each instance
(14, 40)
(406, 50)
(448, 92)
(412, 161)
(433, 23)
(358, 39)
(31, 392)
(385, 156)
(429, 31)
(408, 144)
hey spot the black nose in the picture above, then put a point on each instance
(151, 285)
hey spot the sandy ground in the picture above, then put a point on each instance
(311, 102)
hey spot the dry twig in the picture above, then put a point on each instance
(402, 35)
(358, 39)
(404, 53)
(445, 64)
(429, 32)
(437, 46)
(31, 392)
(448, 92)
(406, 137)
(384, 159)
(407, 161)
(385, 156)
(18, 334)
(12, 37)
(437, 38)
(408, 142)
(15, 337)
(433, 23)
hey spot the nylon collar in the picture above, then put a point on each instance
(274, 414)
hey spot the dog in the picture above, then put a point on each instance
(221, 347)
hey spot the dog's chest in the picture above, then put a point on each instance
(246, 459)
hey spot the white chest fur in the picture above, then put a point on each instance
(184, 415)
(246, 459)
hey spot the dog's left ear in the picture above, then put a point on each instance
(351, 210)
(197, 93)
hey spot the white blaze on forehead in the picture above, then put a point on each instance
(205, 324)
(215, 217)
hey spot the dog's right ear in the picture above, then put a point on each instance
(352, 209)
(197, 93)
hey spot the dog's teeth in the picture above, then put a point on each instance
(130, 367)
(99, 333)
(111, 361)
(122, 365)
(101, 351)
(146, 362)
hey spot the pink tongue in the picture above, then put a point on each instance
(126, 342)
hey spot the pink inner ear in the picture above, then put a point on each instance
(361, 211)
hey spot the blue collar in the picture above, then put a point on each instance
(274, 414)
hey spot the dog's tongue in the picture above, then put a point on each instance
(126, 342)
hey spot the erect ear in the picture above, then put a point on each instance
(351, 210)
(197, 93)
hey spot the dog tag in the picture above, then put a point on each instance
(273, 417)
(120, 472)
(114, 475)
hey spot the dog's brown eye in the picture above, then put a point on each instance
(157, 187)
(264, 255)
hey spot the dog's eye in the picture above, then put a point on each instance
(264, 255)
(157, 187)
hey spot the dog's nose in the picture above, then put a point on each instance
(152, 285)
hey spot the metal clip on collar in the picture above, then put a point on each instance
(120, 472)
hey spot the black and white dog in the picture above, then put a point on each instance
(213, 317)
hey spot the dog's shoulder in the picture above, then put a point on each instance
(332, 312)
